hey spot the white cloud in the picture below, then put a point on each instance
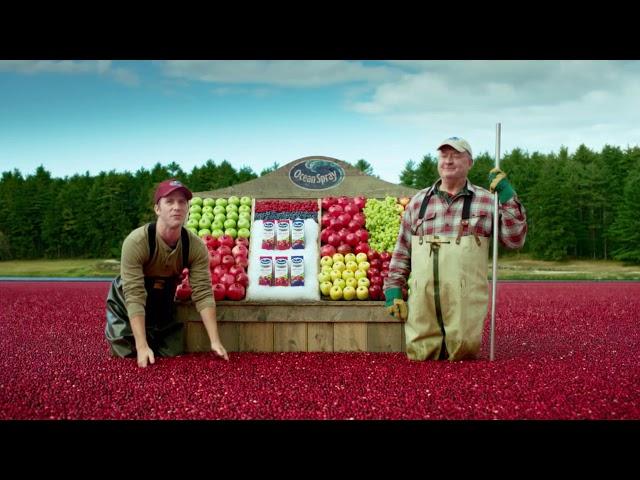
(283, 73)
(70, 67)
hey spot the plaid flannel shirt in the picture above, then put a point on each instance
(443, 219)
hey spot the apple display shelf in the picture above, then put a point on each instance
(302, 326)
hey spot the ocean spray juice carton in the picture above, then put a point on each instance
(283, 235)
(297, 271)
(266, 271)
(268, 235)
(297, 234)
(281, 271)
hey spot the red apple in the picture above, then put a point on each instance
(215, 279)
(375, 263)
(243, 279)
(242, 261)
(351, 239)
(242, 241)
(344, 248)
(220, 270)
(226, 240)
(240, 250)
(373, 272)
(359, 202)
(324, 235)
(362, 235)
(235, 291)
(353, 226)
(235, 270)
(351, 209)
(219, 291)
(212, 243)
(385, 256)
(335, 211)
(343, 201)
(224, 250)
(214, 260)
(377, 280)
(334, 224)
(228, 261)
(359, 218)
(327, 202)
(227, 279)
(325, 220)
(375, 292)
(334, 239)
(361, 247)
(327, 250)
(344, 220)
(372, 254)
(385, 265)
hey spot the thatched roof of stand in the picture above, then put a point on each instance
(278, 184)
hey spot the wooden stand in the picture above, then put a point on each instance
(324, 326)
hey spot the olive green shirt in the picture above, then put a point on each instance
(166, 262)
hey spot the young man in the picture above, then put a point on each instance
(140, 306)
(444, 244)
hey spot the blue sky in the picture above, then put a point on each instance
(77, 116)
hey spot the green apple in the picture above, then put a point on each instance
(193, 223)
(217, 232)
(338, 265)
(233, 200)
(244, 233)
(335, 293)
(195, 209)
(233, 215)
(364, 282)
(204, 222)
(349, 257)
(244, 208)
(228, 223)
(219, 209)
(220, 217)
(246, 215)
(232, 232)
(204, 231)
(244, 223)
(207, 209)
(195, 216)
(208, 202)
(325, 288)
(346, 274)
(232, 208)
(326, 261)
(349, 293)
(196, 201)
(246, 201)
(324, 277)
(217, 224)
(194, 230)
(208, 215)
(221, 201)
(362, 293)
(352, 282)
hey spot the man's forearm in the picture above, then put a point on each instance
(208, 315)
(139, 332)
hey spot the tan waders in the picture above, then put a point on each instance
(449, 295)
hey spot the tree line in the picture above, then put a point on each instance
(578, 206)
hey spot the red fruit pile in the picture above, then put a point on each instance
(228, 262)
(286, 206)
(343, 226)
(377, 273)
(564, 351)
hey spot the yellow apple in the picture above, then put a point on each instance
(339, 282)
(349, 293)
(362, 292)
(364, 282)
(325, 288)
(338, 257)
(335, 293)
(349, 257)
(351, 282)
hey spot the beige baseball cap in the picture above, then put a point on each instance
(460, 144)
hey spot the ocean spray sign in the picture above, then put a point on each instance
(316, 174)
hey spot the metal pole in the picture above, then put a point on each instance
(496, 231)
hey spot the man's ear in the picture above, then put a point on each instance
(156, 208)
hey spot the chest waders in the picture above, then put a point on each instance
(165, 334)
(449, 293)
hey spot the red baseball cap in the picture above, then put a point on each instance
(168, 186)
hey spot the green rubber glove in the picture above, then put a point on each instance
(394, 303)
(498, 183)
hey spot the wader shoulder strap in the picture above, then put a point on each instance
(185, 247)
(425, 203)
(151, 234)
(185, 244)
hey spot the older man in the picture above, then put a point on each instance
(444, 245)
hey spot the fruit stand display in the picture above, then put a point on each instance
(319, 241)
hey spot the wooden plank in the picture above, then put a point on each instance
(350, 337)
(289, 337)
(255, 337)
(197, 338)
(352, 312)
(229, 333)
(384, 337)
(320, 337)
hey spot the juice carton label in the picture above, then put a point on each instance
(297, 271)
(281, 275)
(266, 271)
(268, 235)
(297, 234)
(283, 235)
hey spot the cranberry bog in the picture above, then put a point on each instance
(563, 351)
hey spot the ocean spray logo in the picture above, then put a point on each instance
(316, 174)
